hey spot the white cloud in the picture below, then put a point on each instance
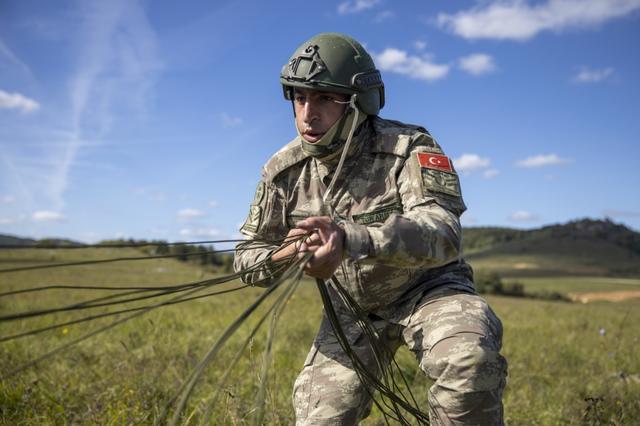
(199, 232)
(523, 216)
(420, 45)
(8, 54)
(212, 203)
(191, 213)
(468, 163)
(520, 20)
(229, 121)
(542, 160)
(7, 221)
(586, 75)
(398, 61)
(477, 64)
(114, 70)
(117, 66)
(18, 101)
(8, 199)
(47, 216)
(356, 6)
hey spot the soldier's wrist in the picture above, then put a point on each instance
(356, 243)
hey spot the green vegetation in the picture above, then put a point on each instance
(586, 247)
(569, 363)
(575, 284)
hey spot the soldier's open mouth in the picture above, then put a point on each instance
(312, 137)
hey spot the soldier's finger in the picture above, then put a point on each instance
(313, 239)
(314, 222)
(294, 233)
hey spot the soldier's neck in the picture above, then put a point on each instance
(327, 166)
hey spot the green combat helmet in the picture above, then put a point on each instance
(336, 63)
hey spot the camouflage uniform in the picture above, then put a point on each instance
(400, 215)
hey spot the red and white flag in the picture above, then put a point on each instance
(435, 161)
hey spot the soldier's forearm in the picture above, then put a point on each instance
(426, 236)
(248, 259)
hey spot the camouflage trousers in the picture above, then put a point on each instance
(456, 338)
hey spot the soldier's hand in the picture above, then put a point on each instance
(326, 243)
(289, 249)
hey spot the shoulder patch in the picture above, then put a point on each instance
(439, 181)
(434, 161)
(438, 174)
(254, 219)
(252, 223)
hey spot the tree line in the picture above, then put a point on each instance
(204, 255)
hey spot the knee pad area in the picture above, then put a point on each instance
(463, 364)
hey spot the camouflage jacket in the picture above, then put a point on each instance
(398, 199)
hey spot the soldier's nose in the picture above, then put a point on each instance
(309, 113)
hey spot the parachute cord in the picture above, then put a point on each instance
(345, 150)
(118, 259)
(386, 385)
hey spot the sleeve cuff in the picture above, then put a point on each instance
(357, 242)
(271, 268)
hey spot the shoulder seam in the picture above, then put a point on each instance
(288, 156)
(396, 138)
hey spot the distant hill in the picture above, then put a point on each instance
(582, 247)
(10, 240)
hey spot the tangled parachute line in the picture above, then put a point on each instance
(394, 401)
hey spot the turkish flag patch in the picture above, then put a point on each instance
(435, 161)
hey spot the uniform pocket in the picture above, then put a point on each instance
(296, 216)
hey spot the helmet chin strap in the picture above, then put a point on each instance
(345, 150)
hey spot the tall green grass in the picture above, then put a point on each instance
(568, 363)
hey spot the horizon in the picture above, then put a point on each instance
(152, 120)
(230, 245)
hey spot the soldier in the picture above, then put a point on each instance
(383, 202)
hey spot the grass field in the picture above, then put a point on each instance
(573, 284)
(568, 363)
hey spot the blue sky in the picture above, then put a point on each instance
(152, 119)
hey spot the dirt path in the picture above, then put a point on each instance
(609, 296)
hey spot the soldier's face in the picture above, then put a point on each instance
(316, 112)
